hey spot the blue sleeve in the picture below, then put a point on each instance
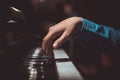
(97, 36)
(102, 30)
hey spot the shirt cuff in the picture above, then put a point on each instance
(95, 28)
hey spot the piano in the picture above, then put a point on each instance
(39, 67)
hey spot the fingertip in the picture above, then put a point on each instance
(55, 45)
(42, 48)
(43, 45)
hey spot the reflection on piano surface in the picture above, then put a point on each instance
(40, 67)
(36, 66)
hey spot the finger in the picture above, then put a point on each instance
(49, 46)
(50, 28)
(61, 40)
(49, 42)
(49, 49)
(48, 37)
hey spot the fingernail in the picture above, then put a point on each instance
(55, 45)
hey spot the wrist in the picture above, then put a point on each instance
(78, 25)
(77, 19)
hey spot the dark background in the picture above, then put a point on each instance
(37, 15)
(101, 11)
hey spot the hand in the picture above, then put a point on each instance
(60, 32)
